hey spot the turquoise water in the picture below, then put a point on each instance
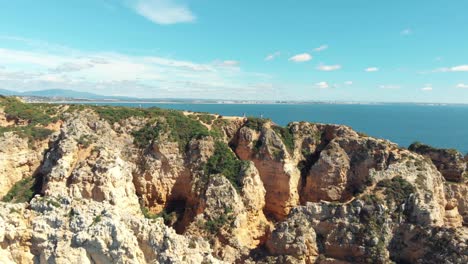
(439, 126)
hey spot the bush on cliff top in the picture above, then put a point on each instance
(224, 161)
(397, 190)
(181, 129)
(256, 123)
(424, 148)
(286, 136)
(34, 114)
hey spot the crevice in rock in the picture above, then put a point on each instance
(310, 160)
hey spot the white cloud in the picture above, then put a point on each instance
(321, 48)
(459, 68)
(301, 57)
(322, 85)
(406, 32)
(163, 12)
(131, 75)
(272, 56)
(328, 67)
(427, 88)
(372, 69)
(390, 86)
(462, 86)
(229, 63)
(348, 83)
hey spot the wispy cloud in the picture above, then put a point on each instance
(272, 56)
(348, 83)
(427, 88)
(301, 57)
(462, 86)
(460, 68)
(321, 48)
(163, 12)
(228, 63)
(322, 67)
(372, 69)
(322, 85)
(390, 86)
(406, 32)
(122, 74)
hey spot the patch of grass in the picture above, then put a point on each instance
(224, 161)
(206, 118)
(117, 114)
(256, 123)
(286, 136)
(21, 192)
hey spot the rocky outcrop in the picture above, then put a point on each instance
(18, 160)
(117, 185)
(64, 230)
(449, 162)
(277, 168)
(458, 195)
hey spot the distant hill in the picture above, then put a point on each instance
(6, 92)
(63, 93)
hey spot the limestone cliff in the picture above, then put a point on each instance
(122, 185)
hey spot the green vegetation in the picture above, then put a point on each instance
(225, 162)
(256, 123)
(117, 114)
(206, 118)
(85, 141)
(257, 144)
(362, 134)
(21, 192)
(145, 136)
(214, 225)
(423, 148)
(31, 133)
(397, 189)
(166, 216)
(181, 128)
(217, 130)
(96, 219)
(53, 203)
(33, 114)
(286, 136)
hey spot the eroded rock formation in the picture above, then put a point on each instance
(117, 185)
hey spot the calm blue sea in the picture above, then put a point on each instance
(439, 126)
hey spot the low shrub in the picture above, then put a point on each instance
(21, 192)
(224, 161)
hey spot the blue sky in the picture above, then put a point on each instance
(351, 50)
